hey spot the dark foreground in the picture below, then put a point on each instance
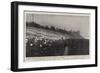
(45, 47)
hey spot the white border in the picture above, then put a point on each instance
(34, 64)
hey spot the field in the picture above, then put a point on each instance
(43, 42)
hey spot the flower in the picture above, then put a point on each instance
(40, 45)
(31, 44)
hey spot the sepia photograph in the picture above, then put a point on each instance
(52, 34)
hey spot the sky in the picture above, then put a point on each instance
(63, 21)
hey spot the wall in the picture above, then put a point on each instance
(5, 35)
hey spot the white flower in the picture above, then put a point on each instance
(31, 44)
(40, 45)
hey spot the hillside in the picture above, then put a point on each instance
(71, 34)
